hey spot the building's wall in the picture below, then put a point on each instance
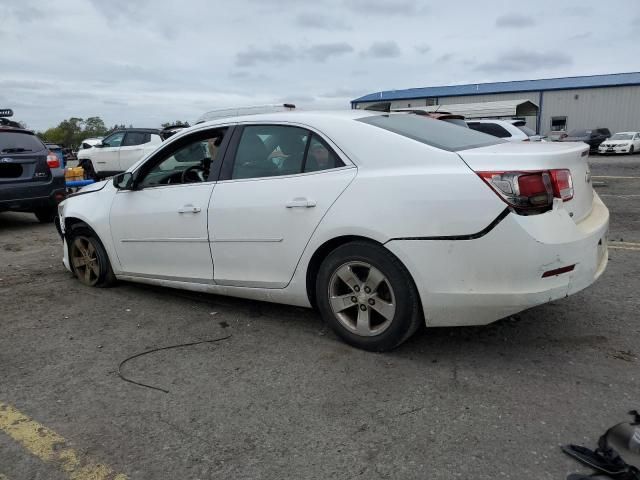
(616, 108)
(497, 97)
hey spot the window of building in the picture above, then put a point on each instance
(558, 124)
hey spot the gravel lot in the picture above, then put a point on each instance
(284, 398)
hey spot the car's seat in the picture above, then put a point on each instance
(251, 159)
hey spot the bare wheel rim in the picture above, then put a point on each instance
(361, 298)
(84, 259)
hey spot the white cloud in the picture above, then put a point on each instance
(146, 62)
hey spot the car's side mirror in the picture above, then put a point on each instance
(124, 181)
(100, 145)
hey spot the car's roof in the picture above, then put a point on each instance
(16, 130)
(136, 129)
(301, 116)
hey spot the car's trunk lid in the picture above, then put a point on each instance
(511, 157)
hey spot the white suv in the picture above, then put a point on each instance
(509, 130)
(119, 151)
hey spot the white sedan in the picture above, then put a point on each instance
(384, 222)
(622, 142)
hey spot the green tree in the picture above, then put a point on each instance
(72, 131)
(94, 127)
(177, 123)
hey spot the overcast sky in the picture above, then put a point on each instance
(143, 62)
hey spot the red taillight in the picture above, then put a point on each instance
(530, 192)
(562, 184)
(52, 160)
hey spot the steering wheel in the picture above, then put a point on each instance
(193, 174)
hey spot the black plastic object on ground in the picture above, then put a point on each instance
(617, 455)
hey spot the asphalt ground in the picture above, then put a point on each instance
(284, 398)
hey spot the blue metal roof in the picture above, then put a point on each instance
(591, 81)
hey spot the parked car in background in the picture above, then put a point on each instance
(58, 150)
(621, 142)
(592, 137)
(118, 151)
(89, 143)
(509, 130)
(444, 116)
(555, 135)
(384, 221)
(31, 175)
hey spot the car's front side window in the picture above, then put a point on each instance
(188, 160)
(114, 140)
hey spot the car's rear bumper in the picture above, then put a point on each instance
(478, 281)
(31, 196)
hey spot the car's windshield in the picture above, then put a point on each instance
(16, 142)
(435, 133)
(622, 136)
(580, 133)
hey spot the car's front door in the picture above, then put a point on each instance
(107, 157)
(132, 148)
(277, 184)
(159, 228)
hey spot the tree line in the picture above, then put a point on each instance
(73, 131)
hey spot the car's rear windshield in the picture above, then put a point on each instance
(622, 136)
(526, 130)
(435, 133)
(18, 142)
(579, 133)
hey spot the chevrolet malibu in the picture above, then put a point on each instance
(383, 222)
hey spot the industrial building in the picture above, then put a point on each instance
(553, 104)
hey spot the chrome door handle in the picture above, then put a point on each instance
(300, 203)
(189, 209)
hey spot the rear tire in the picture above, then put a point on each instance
(46, 215)
(88, 258)
(367, 297)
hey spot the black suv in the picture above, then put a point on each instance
(31, 177)
(592, 137)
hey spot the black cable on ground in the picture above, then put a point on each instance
(157, 350)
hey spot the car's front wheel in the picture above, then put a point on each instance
(367, 296)
(88, 258)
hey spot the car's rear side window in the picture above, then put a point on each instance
(135, 138)
(16, 142)
(435, 133)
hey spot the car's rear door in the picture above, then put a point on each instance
(272, 195)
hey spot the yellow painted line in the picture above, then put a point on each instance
(50, 447)
(627, 244)
(624, 248)
(603, 176)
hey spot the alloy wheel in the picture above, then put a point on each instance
(361, 298)
(84, 259)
